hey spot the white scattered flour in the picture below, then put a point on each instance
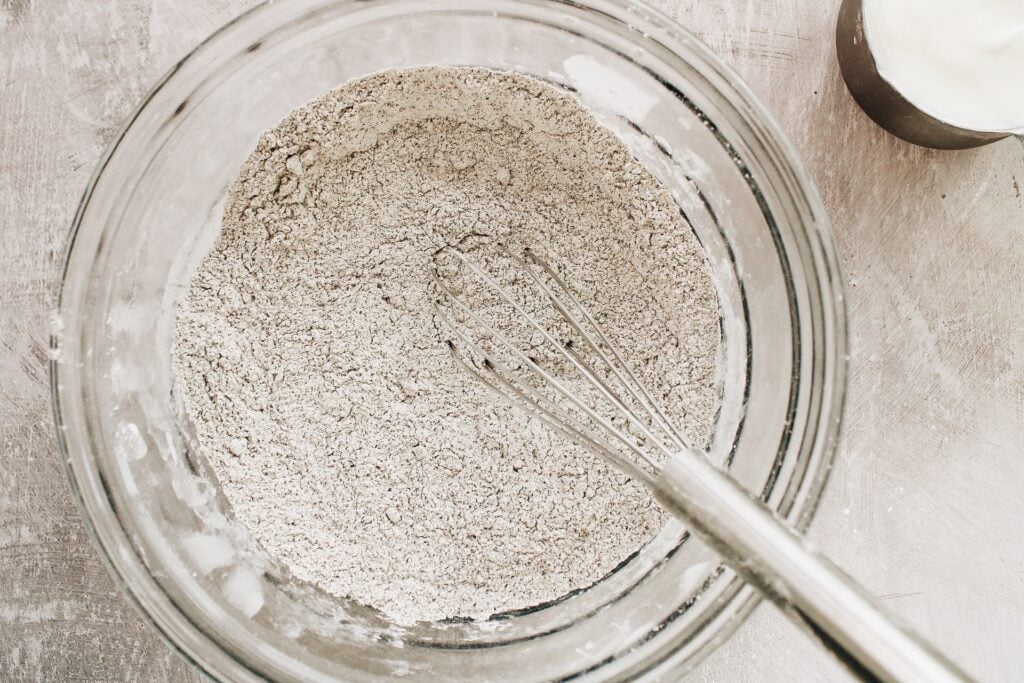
(342, 432)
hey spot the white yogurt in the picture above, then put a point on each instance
(961, 61)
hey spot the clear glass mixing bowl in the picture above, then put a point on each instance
(154, 206)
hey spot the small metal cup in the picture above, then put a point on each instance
(882, 102)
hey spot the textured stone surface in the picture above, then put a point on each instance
(924, 505)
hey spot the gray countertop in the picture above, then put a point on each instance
(924, 505)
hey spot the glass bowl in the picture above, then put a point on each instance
(154, 205)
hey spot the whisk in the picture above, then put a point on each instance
(585, 390)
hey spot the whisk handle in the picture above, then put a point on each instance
(811, 590)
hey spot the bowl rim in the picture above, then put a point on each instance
(167, 618)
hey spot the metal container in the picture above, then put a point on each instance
(882, 101)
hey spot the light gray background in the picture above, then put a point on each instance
(924, 506)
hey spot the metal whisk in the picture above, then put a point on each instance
(587, 391)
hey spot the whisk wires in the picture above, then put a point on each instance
(626, 427)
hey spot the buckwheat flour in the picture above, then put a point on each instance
(309, 359)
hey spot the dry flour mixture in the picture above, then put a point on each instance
(342, 432)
